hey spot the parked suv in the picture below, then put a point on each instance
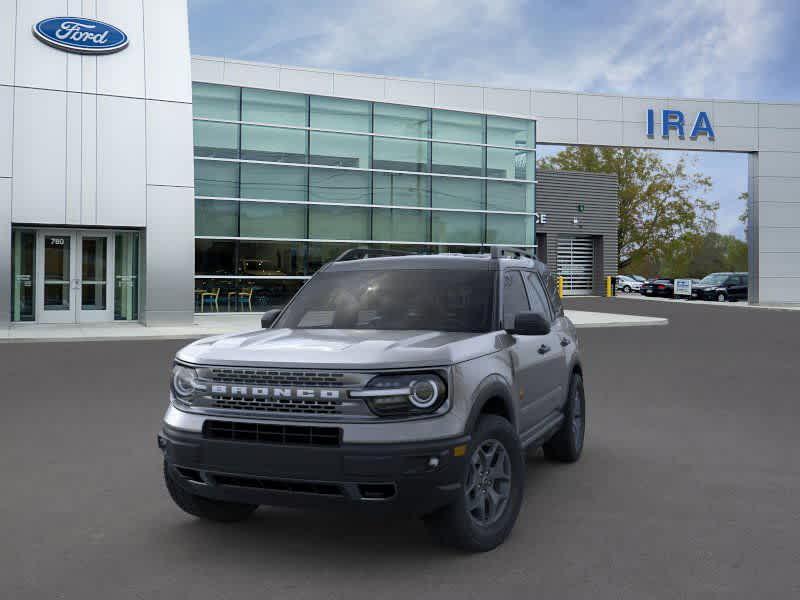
(721, 287)
(406, 383)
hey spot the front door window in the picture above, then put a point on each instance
(94, 259)
(57, 273)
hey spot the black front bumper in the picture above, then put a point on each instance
(381, 477)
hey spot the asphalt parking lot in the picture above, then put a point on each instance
(689, 486)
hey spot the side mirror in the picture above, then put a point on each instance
(268, 318)
(530, 323)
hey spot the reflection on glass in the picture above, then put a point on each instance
(273, 144)
(507, 131)
(406, 121)
(262, 219)
(216, 217)
(216, 178)
(514, 230)
(215, 101)
(451, 192)
(23, 253)
(400, 155)
(337, 185)
(457, 159)
(93, 273)
(401, 225)
(509, 164)
(220, 140)
(457, 227)
(339, 222)
(272, 258)
(337, 113)
(339, 150)
(126, 276)
(281, 108)
(401, 190)
(214, 257)
(273, 182)
(56, 272)
(457, 126)
(506, 195)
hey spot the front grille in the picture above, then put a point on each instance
(278, 405)
(272, 377)
(268, 433)
(280, 485)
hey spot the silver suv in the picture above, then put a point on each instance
(405, 383)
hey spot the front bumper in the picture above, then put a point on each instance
(414, 478)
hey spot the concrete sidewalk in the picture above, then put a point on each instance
(206, 325)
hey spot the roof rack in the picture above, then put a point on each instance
(361, 253)
(511, 252)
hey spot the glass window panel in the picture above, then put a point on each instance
(94, 285)
(339, 222)
(401, 225)
(261, 219)
(506, 195)
(214, 257)
(457, 126)
(272, 258)
(57, 272)
(337, 113)
(281, 108)
(400, 155)
(273, 182)
(507, 131)
(273, 144)
(452, 192)
(23, 259)
(215, 178)
(126, 276)
(407, 121)
(211, 295)
(457, 227)
(509, 164)
(336, 185)
(401, 190)
(215, 101)
(457, 159)
(514, 230)
(266, 293)
(216, 217)
(339, 150)
(220, 140)
(320, 253)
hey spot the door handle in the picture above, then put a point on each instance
(565, 341)
(544, 349)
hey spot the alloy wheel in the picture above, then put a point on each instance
(488, 486)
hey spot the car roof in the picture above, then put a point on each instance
(478, 262)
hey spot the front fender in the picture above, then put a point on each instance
(493, 386)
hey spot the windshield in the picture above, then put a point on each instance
(436, 300)
(714, 279)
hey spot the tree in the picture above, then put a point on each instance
(659, 202)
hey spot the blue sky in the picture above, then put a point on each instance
(740, 49)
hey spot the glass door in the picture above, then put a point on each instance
(94, 300)
(56, 277)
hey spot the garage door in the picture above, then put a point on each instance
(576, 264)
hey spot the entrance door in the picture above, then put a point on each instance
(576, 264)
(73, 275)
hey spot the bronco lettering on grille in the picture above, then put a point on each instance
(273, 392)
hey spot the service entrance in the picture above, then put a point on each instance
(576, 264)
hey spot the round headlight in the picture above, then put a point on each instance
(424, 393)
(183, 381)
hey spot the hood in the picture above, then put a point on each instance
(341, 349)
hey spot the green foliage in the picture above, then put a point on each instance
(661, 204)
(694, 255)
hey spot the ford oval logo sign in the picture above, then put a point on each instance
(76, 34)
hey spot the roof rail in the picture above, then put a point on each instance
(511, 252)
(361, 253)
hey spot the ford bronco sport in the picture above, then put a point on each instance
(410, 383)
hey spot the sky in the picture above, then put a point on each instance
(732, 49)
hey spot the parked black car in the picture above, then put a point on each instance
(663, 288)
(721, 287)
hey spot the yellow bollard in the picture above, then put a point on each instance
(608, 287)
(560, 286)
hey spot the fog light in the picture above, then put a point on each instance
(433, 462)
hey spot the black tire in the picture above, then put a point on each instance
(455, 525)
(205, 508)
(627, 289)
(567, 444)
(722, 297)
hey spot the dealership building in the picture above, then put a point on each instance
(139, 183)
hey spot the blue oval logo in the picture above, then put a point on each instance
(76, 34)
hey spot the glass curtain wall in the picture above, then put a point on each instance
(285, 182)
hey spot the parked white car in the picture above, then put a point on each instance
(627, 284)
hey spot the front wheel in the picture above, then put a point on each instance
(492, 487)
(567, 443)
(627, 289)
(721, 297)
